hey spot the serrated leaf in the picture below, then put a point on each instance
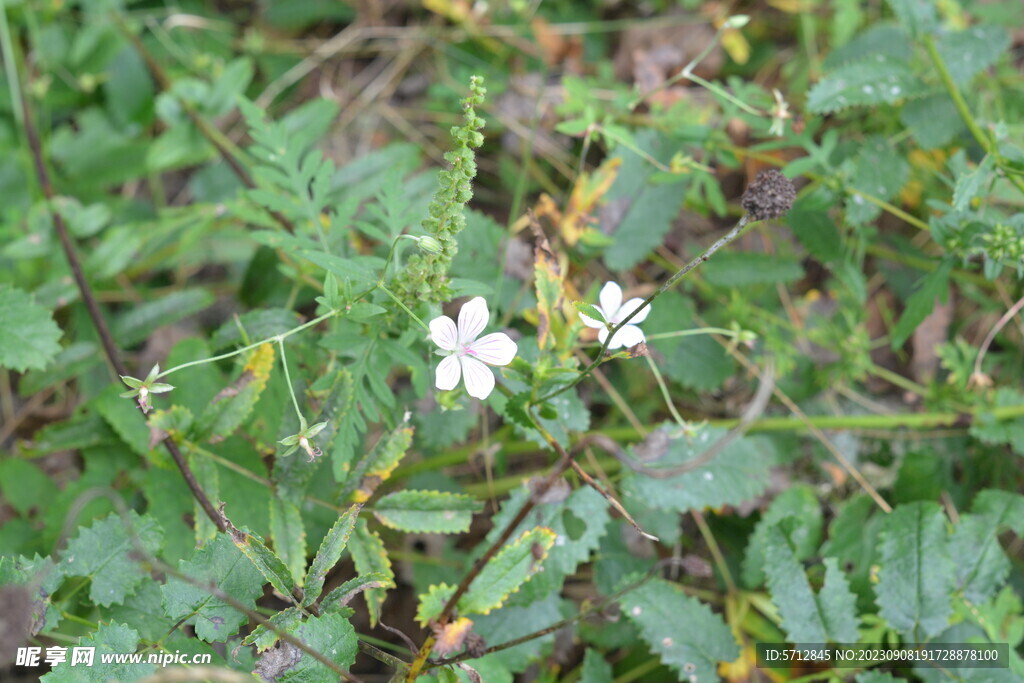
(370, 558)
(329, 553)
(982, 565)
(339, 598)
(548, 285)
(879, 80)
(28, 336)
(427, 511)
(362, 272)
(589, 310)
(879, 171)
(507, 571)
(123, 417)
(289, 536)
(230, 408)
(595, 668)
(432, 603)
(378, 465)
(934, 285)
(737, 474)
(220, 564)
(138, 323)
(264, 559)
(916, 575)
(330, 634)
(987, 428)
(810, 221)
(799, 502)
(41, 576)
(973, 183)
(968, 52)
(828, 616)
(263, 637)
(682, 630)
(105, 553)
(108, 639)
(917, 16)
(933, 120)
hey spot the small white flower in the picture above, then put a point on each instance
(464, 352)
(614, 311)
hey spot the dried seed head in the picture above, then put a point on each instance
(771, 195)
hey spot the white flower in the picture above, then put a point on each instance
(465, 352)
(614, 311)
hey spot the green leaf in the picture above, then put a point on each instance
(329, 553)
(934, 285)
(264, 559)
(933, 120)
(330, 634)
(968, 52)
(263, 637)
(799, 502)
(105, 553)
(917, 16)
(916, 578)
(982, 565)
(879, 171)
(289, 536)
(108, 639)
(810, 221)
(745, 268)
(72, 361)
(737, 474)
(140, 321)
(233, 404)
(589, 310)
(880, 80)
(432, 603)
(427, 511)
(831, 615)
(124, 418)
(378, 465)
(362, 271)
(24, 485)
(973, 183)
(507, 571)
(219, 564)
(259, 324)
(988, 429)
(683, 631)
(595, 668)
(370, 558)
(28, 336)
(339, 598)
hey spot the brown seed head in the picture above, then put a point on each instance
(771, 195)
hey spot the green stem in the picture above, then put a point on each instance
(10, 66)
(664, 392)
(732, 334)
(405, 308)
(288, 381)
(276, 337)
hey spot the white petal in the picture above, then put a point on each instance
(447, 375)
(443, 333)
(602, 334)
(628, 336)
(496, 348)
(629, 307)
(479, 378)
(611, 299)
(590, 322)
(472, 319)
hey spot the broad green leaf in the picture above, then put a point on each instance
(510, 622)
(339, 598)
(234, 403)
(331, 635)
(981, 563)
(72, 361)
(745, 268)
(378, 465)
(737, 474)
(933, 120)
(919, 17)
(427, 511)
(105, 552)
(683, 631)
(259, 324)
(579, 522)
(882, 38)
(362, 272)
(800, 503)
(219, 564)
(108, 639)
(124, 418)
(507, 571)
(879, 171)
(289, 536)
(371, 558)
(263, 637)
(144, 612)
(966, 53)
(595, 668)
(28, 336)
(329, 553)
(916, 575)
(880, 80)
(432, 603)
(24, 485)
(828, 616)
(141, 321)
(697, 361)
(264, 559)
(934, 285)
(810, 221)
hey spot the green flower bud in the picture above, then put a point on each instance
(429, 245)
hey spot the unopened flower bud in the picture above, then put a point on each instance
(429, 245)
(144, 400)
(771, 195)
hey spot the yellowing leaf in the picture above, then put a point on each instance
(452, 635)
(508, 571)
(548, 284)
(586, 196)
(736, 45)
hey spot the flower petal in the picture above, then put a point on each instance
(496, 348)
(443, 333)
(602, 334)
(446, 377)
(590, 322)
(473, 318)
(479, 378)
(628, 336)
(629, 307)
(611, 299)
